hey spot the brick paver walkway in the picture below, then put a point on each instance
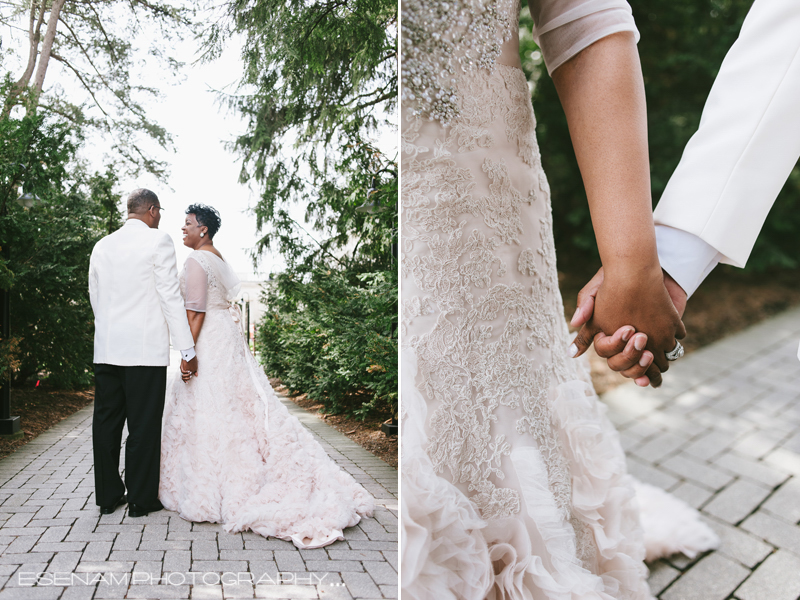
(50, 525)
(723, 433)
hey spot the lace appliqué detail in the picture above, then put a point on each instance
(526, 263)
(212, 279)
(460, 225)
(478, 270)
(501, 209)
(521, 123)
(585, 547)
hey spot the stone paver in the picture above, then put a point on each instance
(712, 578)
(723, 434)
(55, 545)
(775, 579)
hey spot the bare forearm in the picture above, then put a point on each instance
(195, 323)
(602, 92)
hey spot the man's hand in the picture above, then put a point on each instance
(630, 359)
(676, 294)
(188, 369)
(638, 299)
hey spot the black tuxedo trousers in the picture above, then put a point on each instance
(135, 394)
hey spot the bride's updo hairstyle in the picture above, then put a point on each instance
(206, 216)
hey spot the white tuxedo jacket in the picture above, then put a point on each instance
(737, 162)
(136, 299)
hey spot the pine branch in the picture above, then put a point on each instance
(387, 96)
(85, 84)
(60, 113)
(103, 31)
(134, 109)
(319, 20)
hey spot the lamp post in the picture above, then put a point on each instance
(10, 426)
(246, 299)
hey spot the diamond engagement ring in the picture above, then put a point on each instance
(676, 352)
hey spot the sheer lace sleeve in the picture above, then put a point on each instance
(196, 286)
(562, 28)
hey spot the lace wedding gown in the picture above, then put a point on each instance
(514, 482)
(231, 453)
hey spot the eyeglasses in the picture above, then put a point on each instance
(154, 206)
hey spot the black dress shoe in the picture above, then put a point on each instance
(134, 510)
(107, 510)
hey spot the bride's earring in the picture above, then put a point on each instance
(202, 234)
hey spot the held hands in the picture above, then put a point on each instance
(651, 304)
(188, 369)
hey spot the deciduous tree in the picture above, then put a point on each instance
(104, 51)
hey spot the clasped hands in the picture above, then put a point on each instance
(188, 368)
(644, 313)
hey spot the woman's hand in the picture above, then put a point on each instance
(188, 369)
(622, 357)
(642, 301)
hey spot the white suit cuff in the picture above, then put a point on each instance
(686, 257)
(189, 354)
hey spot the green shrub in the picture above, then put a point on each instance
(333, 336)
(46, 242)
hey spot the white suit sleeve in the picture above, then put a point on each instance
(562, 28)
(748, 141)
(166, 277)
(686, 257)
(92, 283)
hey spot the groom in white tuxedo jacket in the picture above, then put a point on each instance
(740, 157)
(135, 296)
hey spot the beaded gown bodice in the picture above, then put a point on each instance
(442, 40)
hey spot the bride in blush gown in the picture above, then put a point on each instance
(231, 453)
(514, 482)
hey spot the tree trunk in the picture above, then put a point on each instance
(47, 45)
(34, 37)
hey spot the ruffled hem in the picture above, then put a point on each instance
(603, 497)
(444, 552)
(448, 551)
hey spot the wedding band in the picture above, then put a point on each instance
(676, 352)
